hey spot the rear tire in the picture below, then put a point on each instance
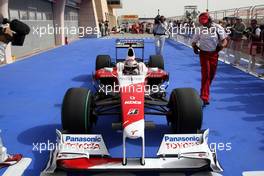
(102, 61)
(185, 114)
(156, 61)
(77, 111)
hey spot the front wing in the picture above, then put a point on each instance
(180, 153)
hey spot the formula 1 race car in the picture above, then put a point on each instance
(131, 88)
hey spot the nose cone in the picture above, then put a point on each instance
(135, 130)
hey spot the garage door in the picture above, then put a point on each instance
(71, 23)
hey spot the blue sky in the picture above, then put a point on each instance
(148, 8)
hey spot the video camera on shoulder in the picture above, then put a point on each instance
(157, 19)
(19, 31)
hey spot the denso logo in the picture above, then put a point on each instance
(133, 102)
(82, 139)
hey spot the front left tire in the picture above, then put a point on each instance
(77, 111)
(102, 61)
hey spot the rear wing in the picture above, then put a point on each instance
(127, 43)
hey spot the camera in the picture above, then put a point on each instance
(157, 19)
(247, 32)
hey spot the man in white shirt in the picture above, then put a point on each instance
(160, 33)
(208, 41)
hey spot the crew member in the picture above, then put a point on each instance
(160, 33)
(212, 38)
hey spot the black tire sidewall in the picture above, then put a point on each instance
(77, 110)
(102, 61)
(186, 111)
(156, 61)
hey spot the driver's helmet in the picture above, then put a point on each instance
(131, 65)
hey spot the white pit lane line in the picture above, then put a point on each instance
(19, 168)
(253, 173)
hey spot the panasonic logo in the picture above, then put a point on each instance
(133, 102)
(82, 139)
(181, 139)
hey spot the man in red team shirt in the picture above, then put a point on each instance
(208, 42)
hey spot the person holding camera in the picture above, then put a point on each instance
(13, 31)
(211, 38)
(160, 33)
(6, 35)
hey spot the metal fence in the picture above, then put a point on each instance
(246, 13)
(228, 55)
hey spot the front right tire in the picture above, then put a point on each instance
(185, 111)
(156, 61)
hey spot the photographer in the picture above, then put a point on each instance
(160, 33)
(212, 38)
(5, 37)
(13, 31)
